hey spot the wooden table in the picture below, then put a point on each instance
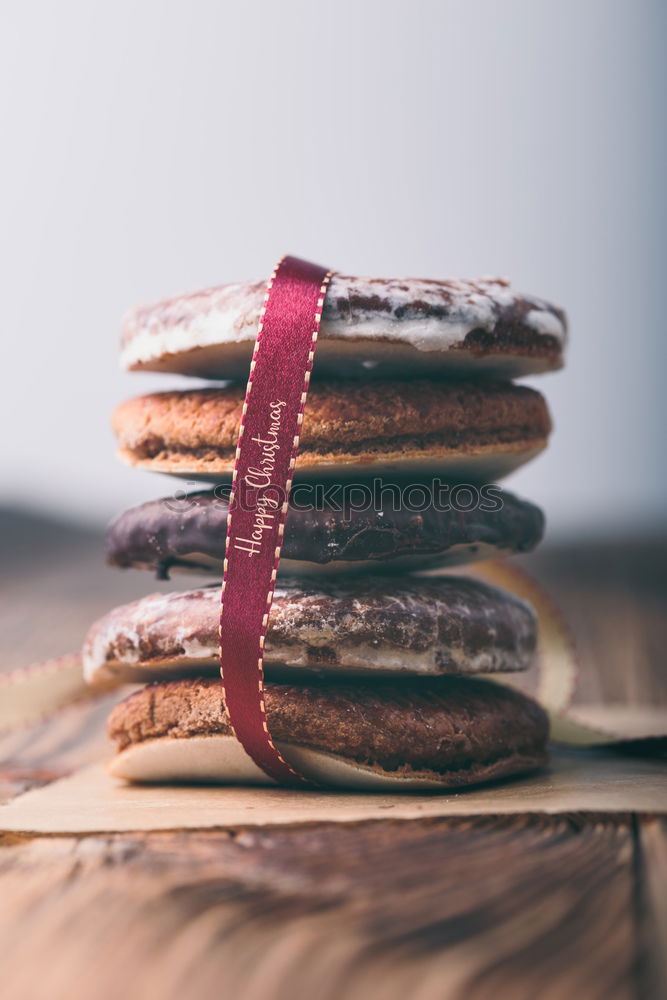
(568, 906)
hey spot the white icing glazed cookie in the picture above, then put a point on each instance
(371, 327)
(372, 626)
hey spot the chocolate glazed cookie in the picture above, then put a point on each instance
(188, 534)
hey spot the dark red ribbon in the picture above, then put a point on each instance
(265, 457)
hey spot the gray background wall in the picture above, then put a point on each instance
(152, 147)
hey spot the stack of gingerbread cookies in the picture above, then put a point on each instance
(379, 672)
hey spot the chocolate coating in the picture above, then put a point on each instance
(167, 533)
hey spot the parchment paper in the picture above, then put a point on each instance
(91, 802)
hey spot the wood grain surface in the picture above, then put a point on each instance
(520, 907)
(568, 906)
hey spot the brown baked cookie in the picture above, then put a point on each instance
(371, 327)
(460, 431)
(442, 733)
(367, 625)
(188, 533)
